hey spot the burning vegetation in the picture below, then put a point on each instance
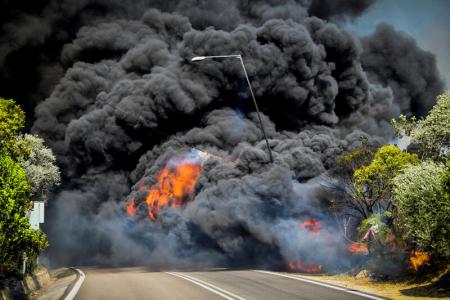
(358, 248)
(418, 259)
(312, 226)
(299, 266)
(174, 185)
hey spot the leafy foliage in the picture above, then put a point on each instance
(349, 162)
(373, 183)
(340, 183)
(446, 176)
(432, 133)
(16, 237)
(12, 119)
(40, 167)
(404, 125)
(423, 201)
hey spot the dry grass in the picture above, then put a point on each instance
(402, 290)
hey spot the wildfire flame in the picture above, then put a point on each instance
(358, 248)
(302, 267)
(174, 185)
(131, 209)
(311, 226)
(417, 259)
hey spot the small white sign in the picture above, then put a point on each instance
(37, 215)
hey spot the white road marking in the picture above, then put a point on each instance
(322, 284)
(206, 285)
(214, 286)
(76, 286)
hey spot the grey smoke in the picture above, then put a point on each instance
(39, 31)
(338, 9)
(392, 58)
(131, 100)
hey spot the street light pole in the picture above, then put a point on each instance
(200, 58)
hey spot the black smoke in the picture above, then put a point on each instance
(122, 98)
(393, 59)
(32, 35)
(338, 9)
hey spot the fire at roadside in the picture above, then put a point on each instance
(175, 186)
(128, 105)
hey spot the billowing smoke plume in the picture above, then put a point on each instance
(130, 101)
(33, 34)
(393, 59)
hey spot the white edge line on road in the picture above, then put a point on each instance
(210, 287)
(323, 284)
(73, 292)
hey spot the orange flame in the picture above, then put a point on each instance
(417, 259)
(311, 226)
(131, 209)
(174, 186)
(301, 267)
(358, 248)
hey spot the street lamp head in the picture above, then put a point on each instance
(198, 58)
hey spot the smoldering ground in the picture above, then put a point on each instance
(124, 99)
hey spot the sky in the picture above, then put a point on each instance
(427, 21)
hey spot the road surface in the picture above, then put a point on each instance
(141, 283)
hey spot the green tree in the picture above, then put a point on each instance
(421, 194)
(349, 162)
(432, 133)
(42, 172)
(374, 183)
(16, 237)
(404, 126)
(340, 183)
(446, 176)
(12, 119)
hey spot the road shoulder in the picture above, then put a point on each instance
(391, 290)
(61, 283)
(313, 280)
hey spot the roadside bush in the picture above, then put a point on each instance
(17, 239)
(421, 195)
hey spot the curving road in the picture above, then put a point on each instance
(141, 283)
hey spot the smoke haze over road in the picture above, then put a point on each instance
(122, 99)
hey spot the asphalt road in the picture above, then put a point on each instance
(141, 283)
